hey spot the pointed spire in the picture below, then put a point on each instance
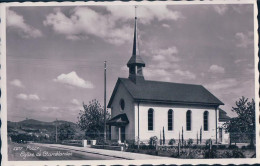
(136, 58)
(135, 44)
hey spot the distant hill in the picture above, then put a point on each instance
(36, 127)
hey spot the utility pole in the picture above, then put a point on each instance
(105, 107)
(56, 130)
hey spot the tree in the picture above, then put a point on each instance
(160, 138)
(91, 120)
(163, 136)
(66, 132)
(197, 138)
(182, 138)
(244, 123)
(200, 134)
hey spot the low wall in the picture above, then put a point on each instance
(117, 148)
(72, 142)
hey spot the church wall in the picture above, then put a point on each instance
(161, 119)
(122, 93)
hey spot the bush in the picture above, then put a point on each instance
(237, 154)
(222, 147)
(190, 141)
(211, 154)
(153, 141)
(100, 141)
(250, 146)
(172, 141)
(232, 147)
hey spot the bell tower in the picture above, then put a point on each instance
(135, 63)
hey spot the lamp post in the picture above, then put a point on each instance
(105, 107)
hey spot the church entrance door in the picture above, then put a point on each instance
(122, 133)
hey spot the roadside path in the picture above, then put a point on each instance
(21, 152)
(104, 152)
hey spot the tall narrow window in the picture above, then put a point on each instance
(170, 120)
(206, 120)
(150, 119)
(188, 120)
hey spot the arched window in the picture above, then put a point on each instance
(206, 120)
(188, 120)
(170, 120)
(150, 119)
(122, 104)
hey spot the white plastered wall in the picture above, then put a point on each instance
(179, 121)
(122, 93)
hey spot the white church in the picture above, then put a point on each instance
(141, 108)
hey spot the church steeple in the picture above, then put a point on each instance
(135, 63)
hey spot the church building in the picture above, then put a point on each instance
(141, 109)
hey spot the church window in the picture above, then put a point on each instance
(139, 70)
(170, 120)
(122, 104)
(205, 120)
(132, 70)
(150, 119)
(188, 120)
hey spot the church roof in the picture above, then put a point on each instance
(119, 120)
(166, 92)
(135, 59)
(223, 115)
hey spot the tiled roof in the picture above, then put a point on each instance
(119, 120)
(167, 92)
(223, 115)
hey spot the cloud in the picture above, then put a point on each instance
(49, 108)
(165, 66)
(168, 75)
(145, 13)
(75, 101)
(28, 97)
(18, 23)
(84, 21)
(33, 97)
(17, 83)
(239, 60)
(185, 74)
(157, 74)
(166, 25)
(220, 9)
(73, 79)
(250, 70)
(216, 69)
(245, 39)
(222, 84)
(124, 68)
(111, 26)
(166, 55)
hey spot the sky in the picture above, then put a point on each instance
(55, 55)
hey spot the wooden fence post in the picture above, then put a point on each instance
(210, 148)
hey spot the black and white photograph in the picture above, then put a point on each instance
(130, 81)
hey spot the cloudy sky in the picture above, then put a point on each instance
(55, 55)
